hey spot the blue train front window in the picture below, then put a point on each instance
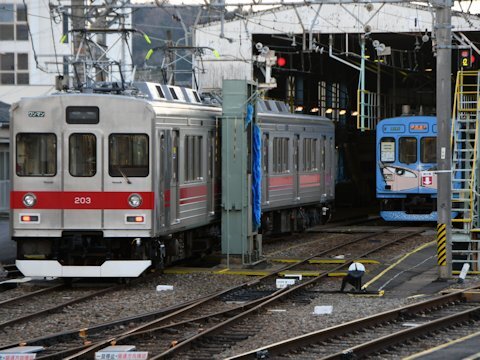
(407, 150)
(428, 150)
(387, 149)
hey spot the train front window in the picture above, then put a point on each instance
(36, 154)
(407, 150)
(82, 155)
(128, 155)
(387, 149)
(428, 150)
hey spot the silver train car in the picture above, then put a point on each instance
(109, 185)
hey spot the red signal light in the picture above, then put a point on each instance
(466, 58)
(281, 61)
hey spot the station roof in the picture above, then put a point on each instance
(13, 93)
(296, 27)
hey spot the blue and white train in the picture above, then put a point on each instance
(406, 168)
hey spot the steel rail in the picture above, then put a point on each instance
(33, 293)
(407, 334)
(57, 307)
(180, 309)
(285, 346)
(294, 288)
(154, 324)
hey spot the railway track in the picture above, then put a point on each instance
(392, 334)
(26, 307)
(202, 322)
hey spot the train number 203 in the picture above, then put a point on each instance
(82, 200)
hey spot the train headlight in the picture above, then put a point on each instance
(29, 200)
(135, 200)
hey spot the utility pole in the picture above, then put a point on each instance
(78, 22)
(443, 31)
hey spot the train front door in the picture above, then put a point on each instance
(82, 169)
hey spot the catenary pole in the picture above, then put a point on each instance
(443, 31)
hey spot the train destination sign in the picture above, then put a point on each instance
(394, 128)
(418, 127)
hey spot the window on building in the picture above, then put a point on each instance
(14, 69)
(13, 22)
(329, 99)
(193, 157)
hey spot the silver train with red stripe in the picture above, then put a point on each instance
(109, 185)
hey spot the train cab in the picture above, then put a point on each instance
(406, 168)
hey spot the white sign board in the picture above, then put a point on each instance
(283, 283)
(121, 355)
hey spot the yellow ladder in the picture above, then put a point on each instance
(464, 146)
(464, 185)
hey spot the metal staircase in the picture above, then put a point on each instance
(465, 188)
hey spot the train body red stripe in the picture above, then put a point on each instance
(188, 195)
(193, 191)
(281, 181)
(81, 200)
(310, 180)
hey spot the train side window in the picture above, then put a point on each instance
(128, 155)
(387, 149)
(280, 155)
(193, 147)
(265, 152)
(36, 154)
(428, 149)
(175, 138)
(83, 115)
(407, 150)
(82, 155)
(310, 154)
(324, 140)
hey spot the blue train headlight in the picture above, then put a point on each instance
(135, 200)
(388, 177)
(29, 200)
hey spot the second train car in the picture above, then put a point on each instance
(406, 168)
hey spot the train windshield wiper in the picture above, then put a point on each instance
(123, 174)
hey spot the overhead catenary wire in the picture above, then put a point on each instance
(32, 43)
(54, 43)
